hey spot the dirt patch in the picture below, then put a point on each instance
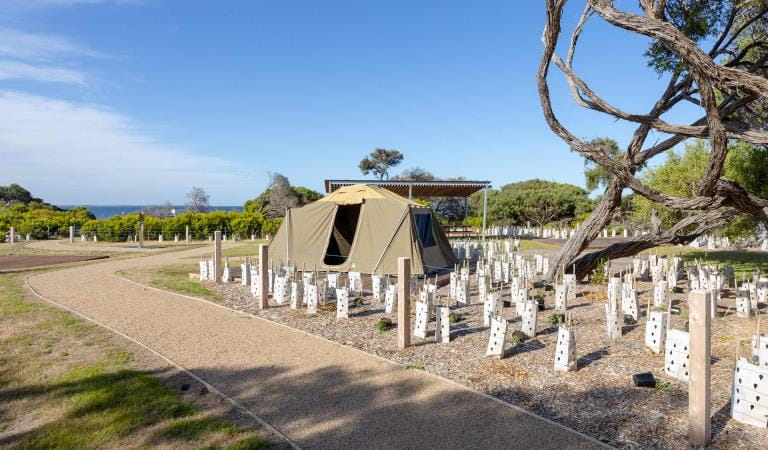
(16, 262)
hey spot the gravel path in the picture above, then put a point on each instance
(318, 393)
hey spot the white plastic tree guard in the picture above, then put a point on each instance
(426, 295)
(743, 304)
(422, 314)
(629, 303)
(211, 270)
(462, 292)
(760, 350)
(492, 307)
(570, 280)
(355, 283)
(255, 286)
(390, 299)
(714, 296)
(442, 324)
(565, 350)
(520, 296)
(297, 294)
(312, 298)
(749, 395)
(245, 273)
(226, 277)
(528, 318)
(614, 321)
(660, 294)
(203, 270)
(561, 297)
(379, 286)
(281, 289)
(482, 287)
(762, 289)
(656, 331)
(677, 354)
(497, 337)
(342, 303)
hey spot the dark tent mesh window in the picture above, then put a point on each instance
(424, 227)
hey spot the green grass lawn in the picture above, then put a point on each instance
(70, 386)
(176, 278)
(744, 263)
(249, 249)
(535, 244)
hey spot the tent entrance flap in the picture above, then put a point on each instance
(342, 234)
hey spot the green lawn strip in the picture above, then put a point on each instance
(744, 263)
(249, 249)
(69, 372)
(175, 278)
(533, 244)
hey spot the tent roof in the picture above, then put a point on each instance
(356, 193)
(416, 188)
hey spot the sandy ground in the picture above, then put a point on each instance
(318, 393)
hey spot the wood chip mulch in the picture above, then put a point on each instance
(598, 399)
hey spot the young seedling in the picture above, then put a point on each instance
(384, 324)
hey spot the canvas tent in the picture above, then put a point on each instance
(361, 228)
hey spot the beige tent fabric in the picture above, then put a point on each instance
(356, 194)
(385, 231)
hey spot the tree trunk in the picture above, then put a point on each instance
(588, 230)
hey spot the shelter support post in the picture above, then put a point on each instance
(485, 209)
(403, 302)
(71, 234)
(218, 269)
(13, 235)
(410, 191)
(700, 378)
(263, 276)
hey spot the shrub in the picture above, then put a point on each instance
(384, 324)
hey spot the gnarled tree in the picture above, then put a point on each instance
(728, 82)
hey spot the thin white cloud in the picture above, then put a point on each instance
(10, 70)
(73, 153)
(40, 46)
(22, 5)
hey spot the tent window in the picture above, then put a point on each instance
(424, 227)
(343, 234)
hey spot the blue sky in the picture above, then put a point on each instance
(136, 101)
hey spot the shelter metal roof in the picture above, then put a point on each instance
(416, 188)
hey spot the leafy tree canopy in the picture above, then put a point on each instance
(682, 172)
(379, 162)
(537, 201)
(279, 195)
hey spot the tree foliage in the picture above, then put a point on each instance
(198, 200)
(536, 201)
(379, 162)
(280, 195)
(727, 80)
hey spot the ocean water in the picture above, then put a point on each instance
(106, 211)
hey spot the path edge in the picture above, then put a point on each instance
(381, 358)
(168, 360)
